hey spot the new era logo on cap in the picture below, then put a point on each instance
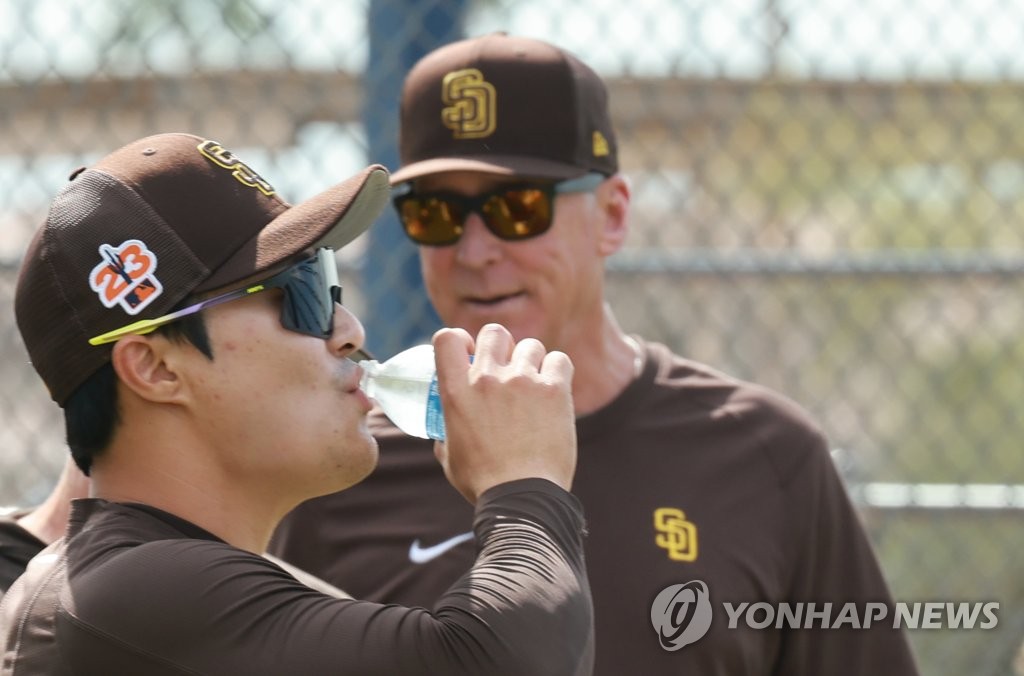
(505, 105)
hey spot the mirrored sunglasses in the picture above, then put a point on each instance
(310, 288)
(512, 212)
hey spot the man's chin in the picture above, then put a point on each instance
(357, 464)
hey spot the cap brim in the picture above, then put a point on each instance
(332, 218)
(500, 165)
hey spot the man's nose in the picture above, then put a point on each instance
(478, 246)
(348, 334)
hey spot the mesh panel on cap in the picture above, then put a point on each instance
(94, 210)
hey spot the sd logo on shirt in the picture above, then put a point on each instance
(675, 534)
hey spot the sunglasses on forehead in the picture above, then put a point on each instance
(310, 288)
(510, 212)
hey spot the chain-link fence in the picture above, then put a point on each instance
(828, 199)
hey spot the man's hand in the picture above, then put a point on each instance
(508, 414)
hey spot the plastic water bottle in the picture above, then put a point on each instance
(405, 387)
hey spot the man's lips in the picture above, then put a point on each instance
(352, 378)
(496, 299)
(352, 381)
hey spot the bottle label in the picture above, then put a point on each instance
(435, 416)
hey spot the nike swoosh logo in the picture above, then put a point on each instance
(418, 554)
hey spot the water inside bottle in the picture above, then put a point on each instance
(403, 399)
(405, 388)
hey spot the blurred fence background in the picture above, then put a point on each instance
(828, 200)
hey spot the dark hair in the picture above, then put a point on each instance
(91, 412)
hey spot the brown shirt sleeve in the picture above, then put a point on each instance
(203, 607)
(832, 561)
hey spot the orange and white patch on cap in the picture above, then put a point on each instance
(125, 276)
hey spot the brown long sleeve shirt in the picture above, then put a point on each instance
(134, 590)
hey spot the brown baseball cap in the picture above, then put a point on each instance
(163, 218)
(504, 105)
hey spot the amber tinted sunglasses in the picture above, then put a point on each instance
(510, 212)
